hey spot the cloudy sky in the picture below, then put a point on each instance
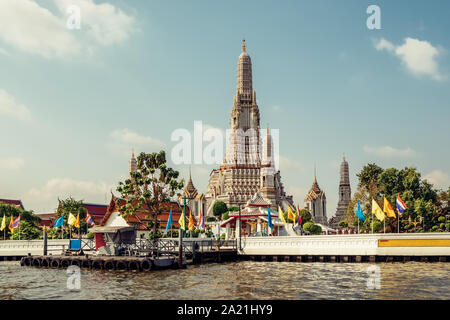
(75, 102)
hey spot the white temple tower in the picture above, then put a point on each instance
(241, 173)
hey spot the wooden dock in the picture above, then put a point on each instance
(102, 262)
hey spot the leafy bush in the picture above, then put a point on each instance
(210, 219)
(342, 224)
(90, 235)
(222, 236)
(316, 229)
(219, 208)
(441, 219)
(447, 226)
(307, 226)
(225, 216)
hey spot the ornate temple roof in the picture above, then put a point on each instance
(189, 191)
(315, 191)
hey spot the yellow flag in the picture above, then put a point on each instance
(387, 208)
(182, 222)
(71, 221)
(377, 210)
(191, 222)
(281, 215)
(291, 215)
(77, 221)
(3, 223)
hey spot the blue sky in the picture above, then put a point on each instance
(73, 103)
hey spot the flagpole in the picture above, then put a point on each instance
(398, 222)
(372, 221)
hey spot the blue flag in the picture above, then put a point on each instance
(359, 213)
(269, 219)
(169, 222)
(59, 222)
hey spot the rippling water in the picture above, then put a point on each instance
(235, 280)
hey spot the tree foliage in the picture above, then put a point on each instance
(65, 208)
(219, 208)
(418, 194)
(29, 222)
(151, 186)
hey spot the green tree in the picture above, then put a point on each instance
(306, 215)
(71, 206)
(219, 208)
(368, 177)
(29, 222)
(27, 231)
(150, 186)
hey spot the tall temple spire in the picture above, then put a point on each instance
(244, 74)
(344, 192)
(133, 163)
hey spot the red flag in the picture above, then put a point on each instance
(99, 241)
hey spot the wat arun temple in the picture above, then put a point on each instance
(247, 177)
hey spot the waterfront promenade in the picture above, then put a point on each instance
(327, 248)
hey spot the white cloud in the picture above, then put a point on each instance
(104, 22)
(45, 198)
(10, 107)
(27, 26)
(419, 57)
(389, 152)
(438, 178)
(12, 163)
(123, 140)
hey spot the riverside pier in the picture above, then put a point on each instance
(147, 255)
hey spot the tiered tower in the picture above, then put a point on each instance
(241, 173)
(345, 192)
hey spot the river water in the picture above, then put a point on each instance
(234, 280)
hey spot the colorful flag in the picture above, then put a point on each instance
(169, 222)
(401, 206)
(299, 217)
(281, 215)
(201, 222)
(59, 222)
(291, 215)
(10, 225)
(269, 219)
(182, 221)
(77, 221)
(359, 213)
(72, 220)
(16, 223)
(388, 209)
(377, 210)
(3, 226)
(191, 222)
(89, 220)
